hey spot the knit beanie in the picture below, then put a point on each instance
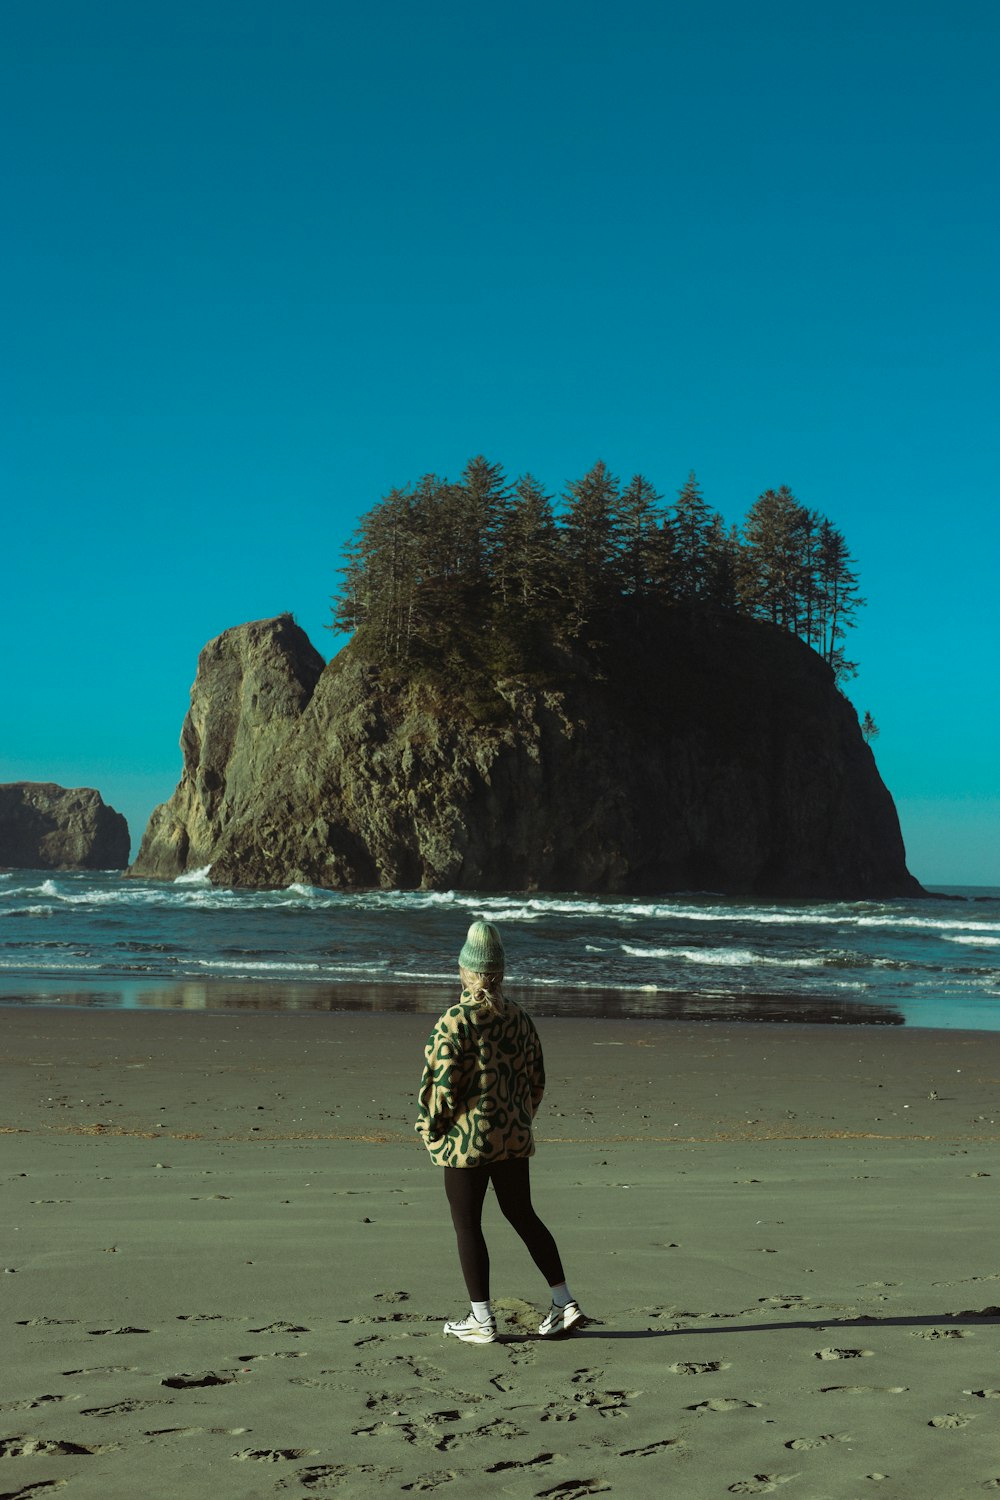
(483, 951)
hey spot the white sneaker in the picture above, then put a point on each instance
(471, 1331)
(559, 1321)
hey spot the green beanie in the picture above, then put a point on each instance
(483, 950)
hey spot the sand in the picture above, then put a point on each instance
(228, 1261)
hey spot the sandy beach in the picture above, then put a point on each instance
(227, 1261)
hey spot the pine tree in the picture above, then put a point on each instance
(725, 548)
(590, 547)
(774, 580)
(691, 525)
(380, 578)
(640, 545)
(526, 568)
(837, 597)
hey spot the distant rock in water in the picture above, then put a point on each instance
(718, 756)
(49, 827)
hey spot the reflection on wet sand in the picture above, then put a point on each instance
(541, 1000)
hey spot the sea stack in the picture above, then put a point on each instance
(714, 754)
(49, 827)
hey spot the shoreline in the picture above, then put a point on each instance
(596, 1002)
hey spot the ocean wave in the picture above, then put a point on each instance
(194, 877)
(975, 940)
(55, 966)
(260, 966)
(743, 958)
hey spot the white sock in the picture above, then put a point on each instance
(482, 1311)
(561, 1295)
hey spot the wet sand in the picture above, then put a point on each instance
(228, 1261)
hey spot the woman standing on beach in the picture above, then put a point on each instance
(483, 1081)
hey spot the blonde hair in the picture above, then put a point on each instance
(486, 990)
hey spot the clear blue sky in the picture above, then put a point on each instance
(263, 261)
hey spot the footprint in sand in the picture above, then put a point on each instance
(189, 1382)
(760, 1484)
(30, 1490)
(105, 1370)
(504, 1464)
(424, 1483)
(952, 1419)
(280, 1327)
(118, 1409)
(274, 1455)
(158, 1432)
(245, 1359)
(421, 1369)
(31, 1402)
(987, 1394)
(707, 1367)
(498, 1428)
(555, 1413)
(655, 1449)
(606, 1403)
(29, 1447)
(44, 1322)
(322, 1477)
(574, 1489)
(943, 1333)
(863, 1390)
(844, 1353)
(723, 1403)
(100, 1332)
(822, 1441)
(391, 1297)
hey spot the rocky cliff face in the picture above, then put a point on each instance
(49, 827)
(717, 756)
(252, 686)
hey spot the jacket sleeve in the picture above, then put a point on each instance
(436, 1099)
(536, 1070)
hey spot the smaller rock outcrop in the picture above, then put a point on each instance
(252, 685)
(49, 827)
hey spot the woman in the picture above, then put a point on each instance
(483, 1081)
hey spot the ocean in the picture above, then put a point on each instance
(102, 940)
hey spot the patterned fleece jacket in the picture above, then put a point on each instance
(481, 1086)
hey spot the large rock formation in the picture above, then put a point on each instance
(49, 827)
(718, 756)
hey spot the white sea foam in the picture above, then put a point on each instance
(973, 940)
(262, 966)
(194, 877)
(940, 925)
(736, 958)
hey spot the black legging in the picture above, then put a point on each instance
(466, 1189)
